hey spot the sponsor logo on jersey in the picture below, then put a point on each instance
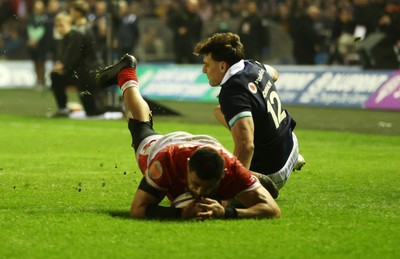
(260, 76)
(268, 86)
(252, 87)
(155, 170)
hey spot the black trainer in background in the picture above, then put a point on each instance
(109, 75)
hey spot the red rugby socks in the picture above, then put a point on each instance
(127, 78)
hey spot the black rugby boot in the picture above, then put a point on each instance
(109, 75)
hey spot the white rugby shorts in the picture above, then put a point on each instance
(283, 174)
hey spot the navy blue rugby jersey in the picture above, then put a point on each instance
(252, 92)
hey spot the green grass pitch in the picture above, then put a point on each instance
(66, 188)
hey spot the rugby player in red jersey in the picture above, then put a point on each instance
(179, 163)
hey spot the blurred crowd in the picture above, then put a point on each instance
(348, 32)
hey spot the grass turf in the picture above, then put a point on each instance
(66, 187)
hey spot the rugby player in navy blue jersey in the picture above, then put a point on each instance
(250, 106)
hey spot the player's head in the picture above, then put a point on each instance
(219, 52)
(39, 7)
(62, 23)
(205, 170)
(79, 9)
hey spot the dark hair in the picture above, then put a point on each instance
(207, 163)
(80, 6)
(223, 47)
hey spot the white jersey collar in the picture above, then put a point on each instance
(234, 69)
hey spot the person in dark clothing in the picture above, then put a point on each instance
(127, 29)
(78, 11)
(186, 26)
(100, 22)
(6, 11)
(386, 54)
(365, 14)
(342, 40)
(53, 8)
(75, 64)
(36, 43)
(250, 107)
(252, 33)
(305, 37)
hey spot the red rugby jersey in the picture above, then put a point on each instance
(168, 169)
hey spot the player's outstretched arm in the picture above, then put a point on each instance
(145, 204)
(258, 203)
(141, 202)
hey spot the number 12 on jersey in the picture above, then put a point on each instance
(278, 115)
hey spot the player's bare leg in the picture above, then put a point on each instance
(136, 105)
(123, 73)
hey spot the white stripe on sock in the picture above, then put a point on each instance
(128, 84)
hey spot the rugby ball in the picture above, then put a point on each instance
(182, 200)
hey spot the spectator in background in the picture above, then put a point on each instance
(386, 52)
(6, 11)
(282, 17)
(13, 22)
(252, 33)
(364, 14)
(153, 45)
(127, 29)
(205, 10)
(75, 64)
(79, 11)
(99, 21)
(223, 27)
(36, 41)
(10, 40)
(186, 26)
(306, 41)
(99, 11)
(342, 39)
(53, 8)
(221, 12)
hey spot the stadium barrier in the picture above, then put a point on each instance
(298, 85)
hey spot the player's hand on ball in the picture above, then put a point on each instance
(190, 211)
(209, 208)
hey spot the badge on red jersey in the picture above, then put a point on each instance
(155, 170)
